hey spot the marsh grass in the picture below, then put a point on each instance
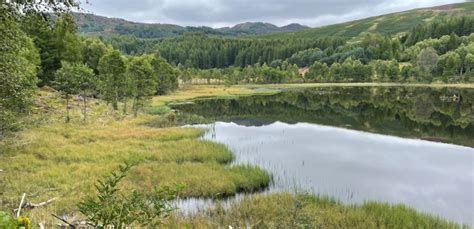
(285, 210)
(54, 159)
(159, 104)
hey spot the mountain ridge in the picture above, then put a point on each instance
(101, 25)
(386, 24)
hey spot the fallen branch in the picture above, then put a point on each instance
(33, 205)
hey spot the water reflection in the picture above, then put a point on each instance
(329, 141)
(445, 115)
(356, 166)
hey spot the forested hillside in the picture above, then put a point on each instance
(377, 58)
(440, 49)
(201, 51)
(97, 25)
(120, 68)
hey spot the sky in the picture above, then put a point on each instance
(221, 13)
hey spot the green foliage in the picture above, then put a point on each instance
(40, 28)
(196, 50)
(318, 72)
(386, 71)
(428, 59)
(307, 57)
(131, 45)
(93, 51)
(380, 47)
(7, 220)
(461, 26)
(56, 40)
(75, 78)
(18, 68)
(469, 63)
(143, 83)
(250, 74)
(115, 84)
(166, 75)
(68, 43)
(113, 208)
(452, 63)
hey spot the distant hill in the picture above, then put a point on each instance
(98, 25)
(256, 28)
(393, 24)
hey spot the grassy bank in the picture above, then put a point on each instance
(54, 159)
(308, 211)
(159, 103)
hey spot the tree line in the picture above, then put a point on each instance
(375, 58)
(39, 50)
(448, 59)
(197, 50)
(460, 25)
(381, 58)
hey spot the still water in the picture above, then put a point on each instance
(356, 166)
(357, 144)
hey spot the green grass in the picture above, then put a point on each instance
(286, 210)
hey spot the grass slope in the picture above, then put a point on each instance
(389, 24)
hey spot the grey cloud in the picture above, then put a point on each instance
(217, 13)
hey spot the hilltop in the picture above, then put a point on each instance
(390, 24)
(256, 28)
(91, 24)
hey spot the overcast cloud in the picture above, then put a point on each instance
(219, 13)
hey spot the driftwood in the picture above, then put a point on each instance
(33, 205)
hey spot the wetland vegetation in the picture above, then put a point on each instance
(374, 128)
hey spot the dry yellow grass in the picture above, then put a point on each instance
(207, 91)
